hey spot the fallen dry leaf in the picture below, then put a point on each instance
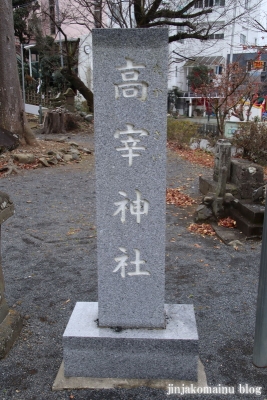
(175, 196)
(72, 231)
(202, 229)
(227, 222)
(197, 156)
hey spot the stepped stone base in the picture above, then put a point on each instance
(9, 331)
(171, 353)
(254, 212)
(247, 227)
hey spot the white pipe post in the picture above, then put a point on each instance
(30, 61)
(22, 75)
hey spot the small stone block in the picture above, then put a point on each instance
(171, 353)
(9, 331)
(244, 171)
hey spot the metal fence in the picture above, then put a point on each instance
(208, 129)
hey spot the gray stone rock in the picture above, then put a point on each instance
(61, 140)
(59, 156)
(74, 151)
(85, 150)
(52, 160)
(67, 157)
(44, 162)
(259, 194)
(76, 157)
(207, 200)
(27, 158)
(228, 198)
(202, 213)
(89, 117)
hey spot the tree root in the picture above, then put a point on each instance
(10, 167)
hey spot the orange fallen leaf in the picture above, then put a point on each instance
(202, 229)
(197, 156)
(175, 196)
(227, 222)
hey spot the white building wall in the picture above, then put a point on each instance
(237, 36)
(85, 63)
(181, 51)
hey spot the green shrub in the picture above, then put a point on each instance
(181, 131)
(252, 138)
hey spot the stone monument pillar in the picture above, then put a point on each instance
(10, 320)
(70, 95)
(130, 176)
(130, 333)
(222, 159)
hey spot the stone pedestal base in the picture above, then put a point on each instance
(171, 353)
(9, 331)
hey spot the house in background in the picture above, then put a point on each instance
(184, 55)
(188, 103)
(234, 37)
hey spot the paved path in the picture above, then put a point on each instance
(49, 262)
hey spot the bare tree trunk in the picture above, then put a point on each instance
(76, 82)
(12, 115)
(54, 123)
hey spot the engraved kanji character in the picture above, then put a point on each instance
(130, 143)
(139, 207)
(130, 75)
(122, 262)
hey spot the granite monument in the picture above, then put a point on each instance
(130, 332)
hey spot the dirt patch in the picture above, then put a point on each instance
(50, 151)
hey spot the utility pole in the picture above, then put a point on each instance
(233, 34)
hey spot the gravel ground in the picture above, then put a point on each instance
(49, 263)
